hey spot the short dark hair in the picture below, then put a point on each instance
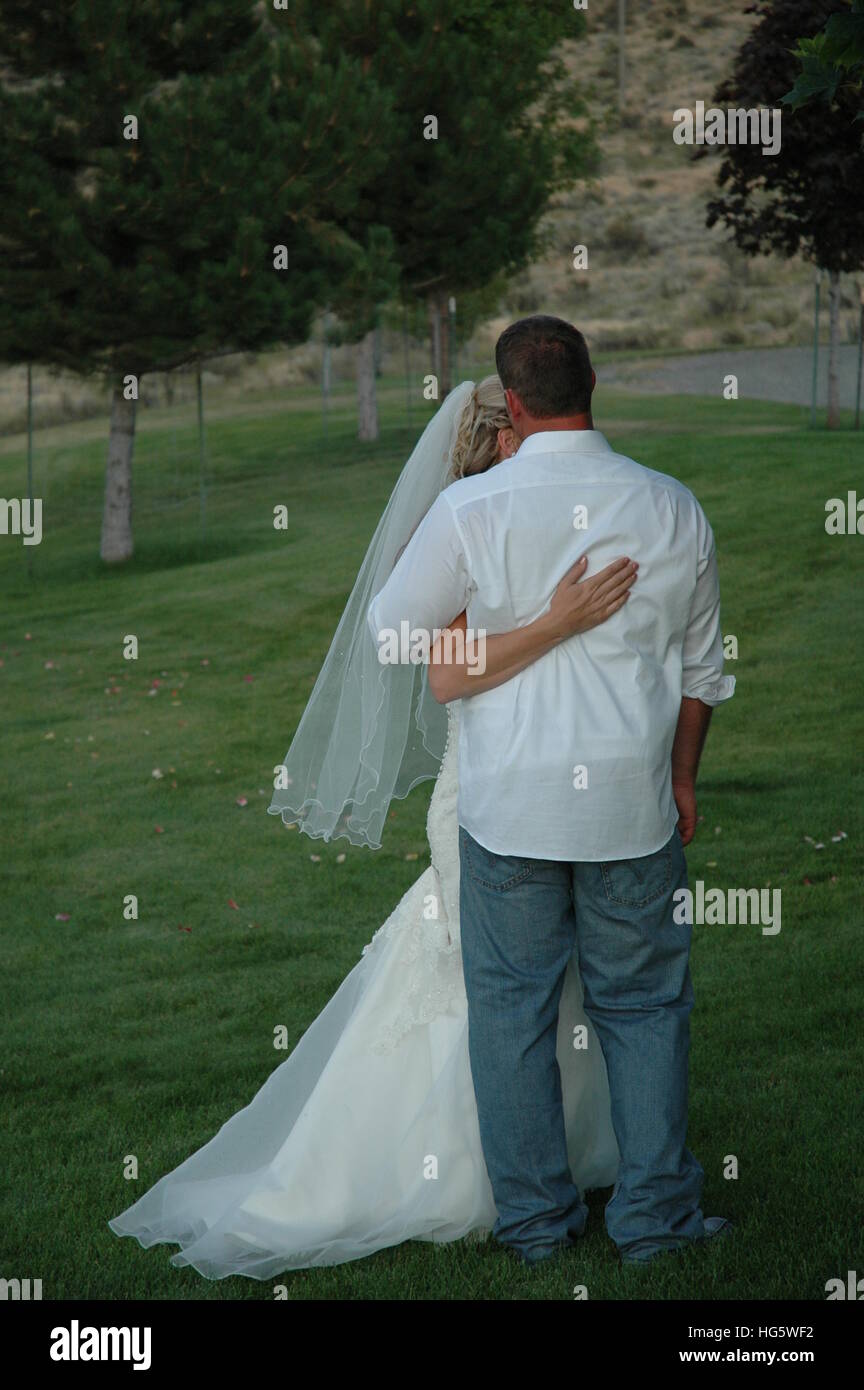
(545, 361)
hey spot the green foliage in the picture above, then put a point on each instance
(467, 206)
(371, 281)
(831, 59)
(133, 255)
(806, 199)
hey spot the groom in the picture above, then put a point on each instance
(576, 797)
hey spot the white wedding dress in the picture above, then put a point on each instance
(367, 1135)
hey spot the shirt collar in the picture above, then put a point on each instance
(564, 442)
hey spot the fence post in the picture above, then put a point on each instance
(407, 353)
(326, 371)
(860, 355)
(202, 489)
(815, 388)
(29, 548)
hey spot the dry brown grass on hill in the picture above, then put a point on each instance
(657, 277)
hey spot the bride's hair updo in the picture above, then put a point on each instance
(476, 445)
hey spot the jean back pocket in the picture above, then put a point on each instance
(637, 882)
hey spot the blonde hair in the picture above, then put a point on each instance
(476, 445)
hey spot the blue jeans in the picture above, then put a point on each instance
(520, 921)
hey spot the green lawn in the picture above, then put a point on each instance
(142, 1037)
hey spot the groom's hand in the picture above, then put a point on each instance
(579, 604)
(684, 793)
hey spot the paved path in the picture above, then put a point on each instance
(764, 374)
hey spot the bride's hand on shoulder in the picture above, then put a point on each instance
(579, 604)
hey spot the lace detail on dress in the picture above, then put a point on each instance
(427, 919)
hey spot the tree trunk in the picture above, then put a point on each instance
(367, 403)
(117, 513)
(434, 338)
(834, 321)
(444, 316)
(439, 334)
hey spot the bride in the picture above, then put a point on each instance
(367, 1135)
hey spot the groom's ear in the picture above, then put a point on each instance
(514, 405)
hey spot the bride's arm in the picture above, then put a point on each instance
(576, 606)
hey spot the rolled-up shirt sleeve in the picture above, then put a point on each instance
(430, 582)
(702, 656)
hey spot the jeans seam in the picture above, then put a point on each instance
(508, 883)
(519, 877)
(643, 902)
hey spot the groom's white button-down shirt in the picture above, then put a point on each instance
(569, 759)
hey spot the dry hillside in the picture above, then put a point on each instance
(657, 277)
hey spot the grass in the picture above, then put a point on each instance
(143, 1036)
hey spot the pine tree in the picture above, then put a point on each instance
(153, 161)
(373, 281)
(806, 199)
(486, 130)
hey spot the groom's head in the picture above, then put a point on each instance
(546, 373)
